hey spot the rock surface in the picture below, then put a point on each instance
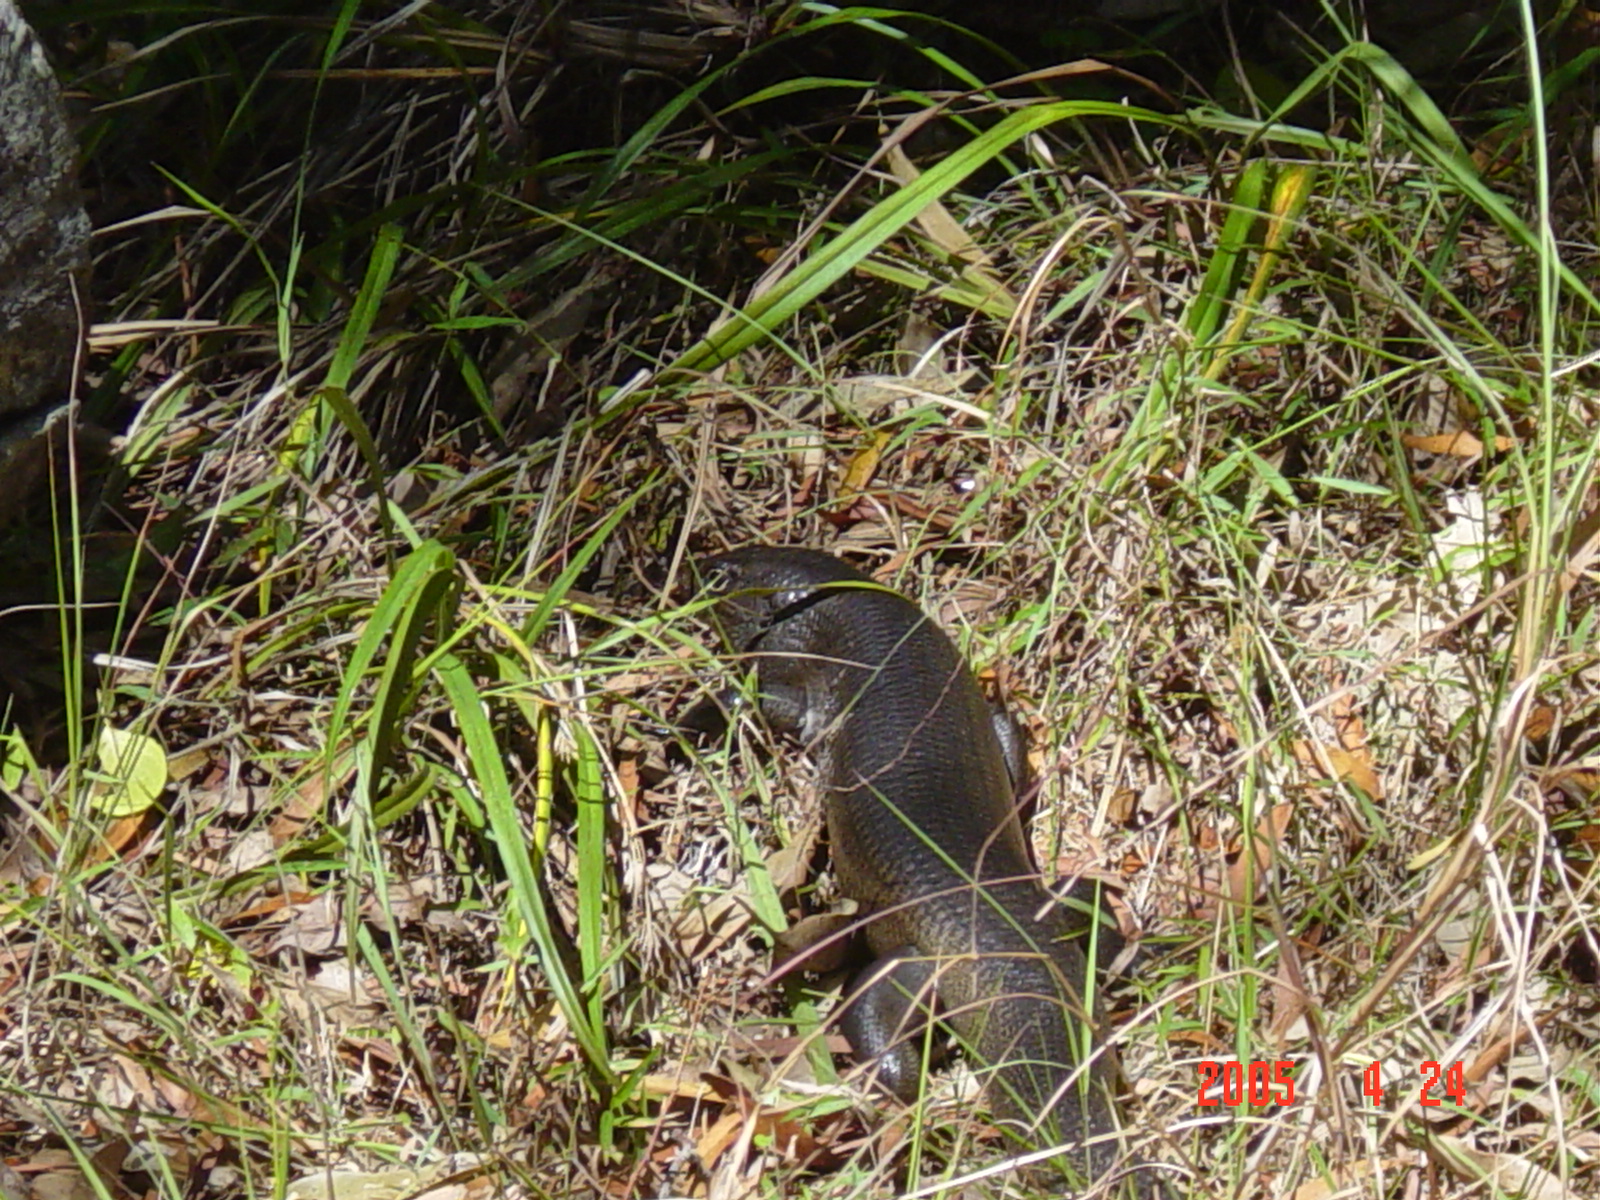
(44, 260)
(44, 234)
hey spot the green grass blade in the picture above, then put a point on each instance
(364, 311)
(1226, 267)
(416, 600)
(763, 316)
(594, 866)
(554, 594)
(526, 891)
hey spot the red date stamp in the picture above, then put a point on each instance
(1452, 1081)
(1258, 1084)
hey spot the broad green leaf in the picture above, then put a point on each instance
(136, 769)
(15, 759)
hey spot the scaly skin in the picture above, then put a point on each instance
(920, 810)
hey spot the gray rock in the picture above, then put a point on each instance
(44, 234)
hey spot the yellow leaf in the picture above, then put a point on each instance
(1460, 444)
(862, 468)
(136, 771)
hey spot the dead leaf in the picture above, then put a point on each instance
(863, 395)
(339, 995)
(1510, 1174)
(1465, 938)
(185, 763)
(984, 288)
(790, 866)
(705, 922)
(407, 901)
(863, 466)
(1464, 544)
(942, 229)
(678, 1086)
(306, 801)
(1289, 1000)
(1346, 1180)
(711, 1144)
(1208, 1042)
(1584, 548)
(1348, 725)
(123, 833)
(1258, 861)
(1460, 444)
(788, 1137)
(628, 784)
(26, 863)
(179, 1100)
(1344, 766)
(1317, 1189)
(1122, 806)
(12, 1186)
(474, 1185)
(127, 1085)
(1541, 720)
(818, 940)
(266, 908)
(252, 848)
(58, 1176)
(66, 1183)
(316, 926)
